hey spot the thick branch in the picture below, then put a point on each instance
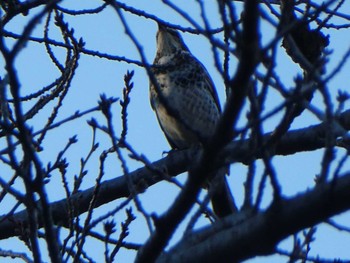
(295, 141)
(243, 236)
(110, 190)
(307, 139)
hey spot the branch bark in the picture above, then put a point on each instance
(306, 139)
(247, 235)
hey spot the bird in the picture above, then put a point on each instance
(186, 104)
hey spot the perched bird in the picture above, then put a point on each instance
(187, 107)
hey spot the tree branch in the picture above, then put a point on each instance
(246, 235)
(307, 139)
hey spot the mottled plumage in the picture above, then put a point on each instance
(187, 90)
(187, 107)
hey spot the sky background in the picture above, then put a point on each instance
(104, 32)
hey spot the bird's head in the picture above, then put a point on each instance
(169, 41)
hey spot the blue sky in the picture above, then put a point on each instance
(105, 33)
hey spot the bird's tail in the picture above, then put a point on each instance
(221, 196)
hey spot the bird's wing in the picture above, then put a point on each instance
(210, 84)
